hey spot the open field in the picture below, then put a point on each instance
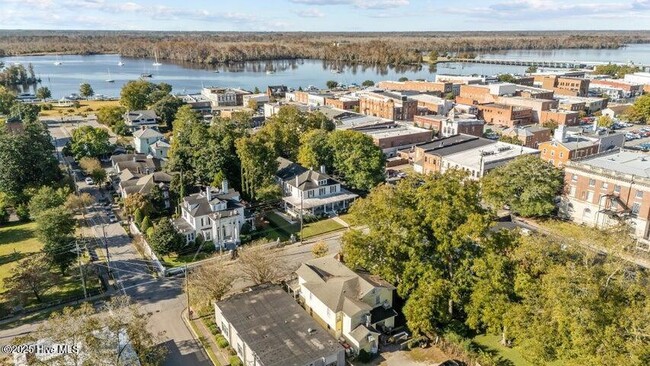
(85, 107)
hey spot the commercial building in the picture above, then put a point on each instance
(453, 124)
(353, 305)
(459, 79)
(562, 117)
(566, 146)
(591, 104)
(389, 105)
(266, 327)
(199, 103)
(616, 89)
(642, 78)
(505, 115)
(564, 85)
(537, 105)
(224, 96)
(260, 98)
(429, 104)
(609, 188)
(396, 136)
(534, 93)
(427, 157)
(346, 102)
(530, 136)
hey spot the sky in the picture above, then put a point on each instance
(326, 15)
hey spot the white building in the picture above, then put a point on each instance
(144, 138)
(354, 305)
(315, 192)
(258, 98)
(136, 120)
(638, 78)
(267, 327)
(216, 214)
(479, 161)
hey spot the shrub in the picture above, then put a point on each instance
(364, 356)
(22, 212)
(235, 361)
(222, 342)
(231, 351)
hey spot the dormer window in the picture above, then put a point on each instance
(322, 182)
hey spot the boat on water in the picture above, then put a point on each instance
(109, 80)
(216, 71)
(57, 62)
(120, 63)
(146, 75)
(269, 72)
(336, 71)
(156, 56)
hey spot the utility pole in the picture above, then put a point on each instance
(81, 271)
(108, 256)
(302, 193)
(187, 293)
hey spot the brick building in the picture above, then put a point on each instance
(505, 115)
(438, 88)
(454, 124)
(564, 85)
(569, 145)
(429, 104)
(530, 136)
(537, 105)
(344, 102)
(427, 157)
(396, 136)
(387, 105)
(609, 188)
(566, 118)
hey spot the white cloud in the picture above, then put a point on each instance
(310, 13)
(360, 4)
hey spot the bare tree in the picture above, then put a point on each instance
(209, 282)
(261, 265)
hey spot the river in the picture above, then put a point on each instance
(65, 78)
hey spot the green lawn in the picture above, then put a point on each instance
(17, 241)
(309, 230)
(512, 354)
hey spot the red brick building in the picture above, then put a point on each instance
(387, 105)
(505, 115)
(438, 88)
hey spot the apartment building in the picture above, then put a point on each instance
(433, 87)
(564, 85)
(566, 146)
(453, 124)
(389, 105)
(530, 136)
(609, 188)
(505, 115)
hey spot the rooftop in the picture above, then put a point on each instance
(497, 151)
(382, 132)
(454, 144)
(276, 328)
(622, 162)
(146, 133)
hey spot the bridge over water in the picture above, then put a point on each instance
(547, 63)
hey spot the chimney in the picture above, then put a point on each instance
(560, 133)
(224, 186)
(296, 181)
(322, 169)
(208, 193)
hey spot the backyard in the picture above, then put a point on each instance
(17, 242)
(309, 229)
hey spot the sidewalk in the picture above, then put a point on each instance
(199, 330)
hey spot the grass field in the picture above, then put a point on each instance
(17, 241)
(309, 230)
(86, 107)
(512, 354)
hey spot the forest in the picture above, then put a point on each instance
(211, 48)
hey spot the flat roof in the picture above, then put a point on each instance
(623, 162)
(381, 132)
(276, 328)
(499, 150)
(454, 144)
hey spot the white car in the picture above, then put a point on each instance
(89, 181)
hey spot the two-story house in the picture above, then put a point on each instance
(135, 120)
(131, 183)
(312, 192)
(215, 214)
(352, 305)
(145, 142)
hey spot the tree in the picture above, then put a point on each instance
(24, 112)
(26, 160)
(616, 71)
(531, 70)
(55, 227)
(605, 121)
(111, 115)
(510, 139)
(433, 56)
(89, 164)
(166, 109)
(138, 216)
(320, 249)
(137, 201)
(165, 239)
(252, 104)
(30, 277)
(86, 91)
(99, 176)
(7, 100)
(357, 159)
(79, 202)
(368, 83)
(135, 95)
(43, 93)
(550, 124)
(259, 265)
(258, 164)
(403, 78)
(101, 332)
(209, 282)
(145, 224)
(46, 198)
(422, 236)
(88, 141)
(640, 110)
(331, 84)
(527, 184)
(315, 150)
(506, 78)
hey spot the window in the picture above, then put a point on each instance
(574, 177)
(592, 182)
(377, 299)
(310, 194)
(224, 329)
(572, 191)
(635, 208)
(617, 188)
(333, 189)
(590, 196)
(561, 154)
(322, 191)
(605, 185)
(552, 152)
(639, 194)
(329, 313)
(239, 349)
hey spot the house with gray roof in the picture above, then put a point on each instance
(353, 305)
(265, 326)
(215, 214)
(135, 120)
(143, 184)
(148, 141)
(311, 192)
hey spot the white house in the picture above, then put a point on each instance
(216, 214)
(135, 120)
(159, 149)
(266, 327)
(144, 138)
(313, 192)
(354, 305)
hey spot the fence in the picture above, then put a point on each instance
(148, 252)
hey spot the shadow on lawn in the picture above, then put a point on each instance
(14, 235)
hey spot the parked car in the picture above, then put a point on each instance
(89, 181)
(112, 218)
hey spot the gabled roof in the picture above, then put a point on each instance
(134, 115)
(160, 144)
(147, 133)
(337, 286)
(197, 204)
(309, 180)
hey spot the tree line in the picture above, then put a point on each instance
(371, 48)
